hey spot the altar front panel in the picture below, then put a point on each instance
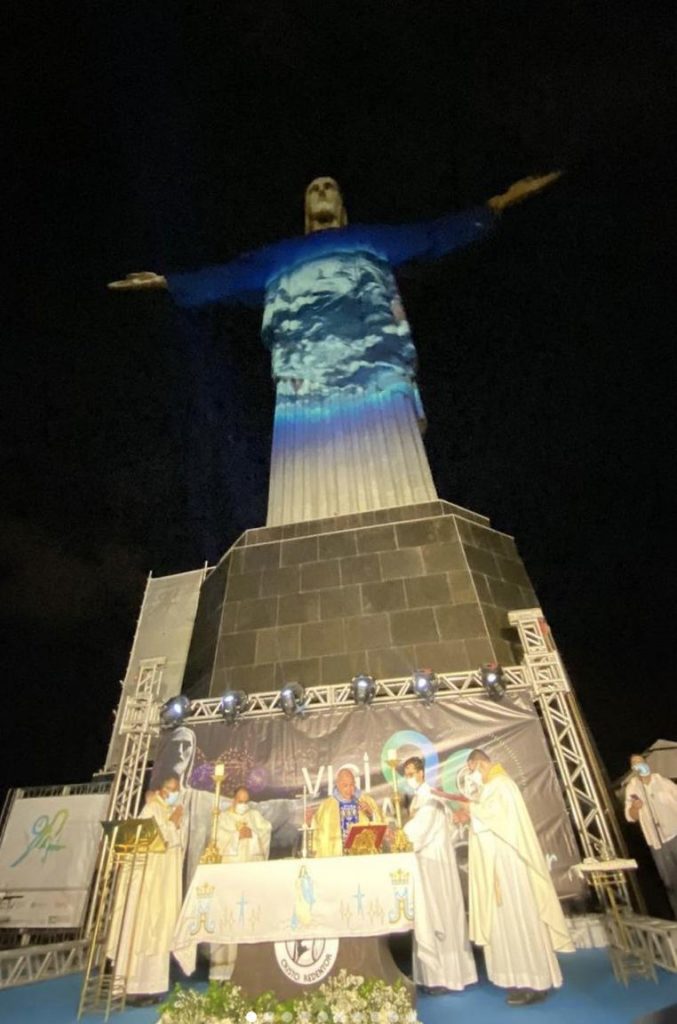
(274, 901)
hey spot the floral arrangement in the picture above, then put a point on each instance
(342, 999)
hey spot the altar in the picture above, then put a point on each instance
(291, 919)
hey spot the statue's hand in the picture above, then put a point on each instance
(521, 190)
(138, 280)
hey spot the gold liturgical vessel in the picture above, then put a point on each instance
(211, 853)
(400, 843)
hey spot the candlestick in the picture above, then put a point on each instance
(211, 853)
(306, 830)
(400, 843)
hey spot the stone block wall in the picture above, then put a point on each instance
(382, 592)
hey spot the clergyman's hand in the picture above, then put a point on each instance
(139, 280)
(521, 190)
(366, 809)
(176, 816)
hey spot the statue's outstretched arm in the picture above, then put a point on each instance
(139, 279)
(240, 280)
(429, 240)
(521, 190)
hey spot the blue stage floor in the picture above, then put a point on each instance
(589, 996)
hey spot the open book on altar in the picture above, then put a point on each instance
(365, 838)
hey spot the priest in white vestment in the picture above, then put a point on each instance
(243, 835)
(514, 911)
(144, 919)
(443, 958)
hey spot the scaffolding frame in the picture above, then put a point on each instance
(42, 954)
(541, 676)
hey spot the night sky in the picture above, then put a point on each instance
(166, 135)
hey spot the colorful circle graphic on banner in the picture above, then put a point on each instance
(451, 766)
(409, 743)
(306, 961)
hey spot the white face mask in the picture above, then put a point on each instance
(413, 782)
(172, 798)
(241, 808)
(476, 778)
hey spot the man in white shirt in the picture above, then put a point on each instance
(443, 958)
(651, 800)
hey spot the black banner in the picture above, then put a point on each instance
(276, 757)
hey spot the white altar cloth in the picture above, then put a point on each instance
(273, 901)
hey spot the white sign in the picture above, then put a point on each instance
(47, 857)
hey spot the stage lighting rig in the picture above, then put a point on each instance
(363, 689)
(492, 680)
(292, 699)
(174, 710)
(233, 704)
(424, 684)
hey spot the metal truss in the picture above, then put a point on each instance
(452, 686)
(578, 765)
(541, 676)
(140, 716)
(37, 963)
(660, 936)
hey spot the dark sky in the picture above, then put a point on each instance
(165, 135)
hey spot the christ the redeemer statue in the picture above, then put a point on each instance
(348, 414)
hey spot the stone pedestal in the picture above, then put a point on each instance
(383, 592)
(302, 965)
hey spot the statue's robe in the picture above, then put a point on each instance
(348, 415)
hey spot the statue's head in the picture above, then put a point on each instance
(324, 206)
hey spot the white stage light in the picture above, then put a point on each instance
(425, 684)
(174, 710)
(492, 680)
(233, 704)
(363, 689)
(292, 699)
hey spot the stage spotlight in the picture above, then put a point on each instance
(292, 699)
(424, 682)
(174, 710)
(363, 689)
(233, 704)
(492, 680)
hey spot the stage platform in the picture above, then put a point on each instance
(590, 996)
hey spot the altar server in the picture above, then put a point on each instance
(143, 921)
(514, 911)
(443, 958)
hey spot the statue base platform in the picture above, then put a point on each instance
(382, 592)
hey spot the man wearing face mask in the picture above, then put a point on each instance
(243, 835)
(514, 911)
(443, 959)
(146, 912)
(651, 801)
